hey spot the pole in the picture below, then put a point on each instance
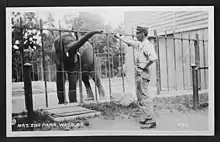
(109, 67)
(182, 61)
(197, 59)
(195, 86)
(174, 55)
(168, 87)
(156, 44)
(45, 80)
(122, 70)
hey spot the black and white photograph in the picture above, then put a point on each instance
(103, 71)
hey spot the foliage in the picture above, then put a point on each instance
(32, 40)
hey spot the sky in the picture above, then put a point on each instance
(115, 16)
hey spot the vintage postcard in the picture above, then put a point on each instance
(103, 71)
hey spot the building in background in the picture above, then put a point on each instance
(176, 56)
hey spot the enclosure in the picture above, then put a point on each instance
(176, 52)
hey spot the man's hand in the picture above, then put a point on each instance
(117, 36)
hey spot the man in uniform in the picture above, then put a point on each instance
(146, 57)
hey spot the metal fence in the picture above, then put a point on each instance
(170, 71)
(176, 53)
(46, 71)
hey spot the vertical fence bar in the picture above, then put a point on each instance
(80, 78)
(106, 69)
(42, 44)
(197, 59)
(32, 61)
(80, 72)
(190, 62)
(28, 92)
(22, 50)
(122, 70)
(156, 44)
(174, 55)
(204, 57)
(109, 67)
(112, 65)
(182, 61)
(167, 66)
(62, 65)
(134, 60)
(195, 86)
(94, 62)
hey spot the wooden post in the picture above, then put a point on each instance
(195, 86)
(156, 44)
(197, 59)
(28, 91)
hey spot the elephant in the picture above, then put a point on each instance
(67, 51)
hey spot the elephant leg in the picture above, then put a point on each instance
(98, 83)
(72, 77)
(85, 79)
(60, 82)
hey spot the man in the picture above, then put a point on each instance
(146, 57)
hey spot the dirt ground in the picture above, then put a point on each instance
(196, 121)
(172, 114)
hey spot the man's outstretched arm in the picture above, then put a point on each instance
(129, 43)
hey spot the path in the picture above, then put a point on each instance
(194, 121)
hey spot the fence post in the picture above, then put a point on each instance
(28, 91)
(197, 58)
(156, 44)
(167, 65)
(195, 86)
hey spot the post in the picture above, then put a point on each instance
(174, 55)
(182, 61)
(197, 58)
(168, 87)
(190, 54)
(195, 86)
(28, 91)
(45, 80)
(156, 44)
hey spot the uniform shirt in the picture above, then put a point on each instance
(145, 52)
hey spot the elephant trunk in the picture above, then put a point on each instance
(76, 45)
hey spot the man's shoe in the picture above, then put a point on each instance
(145, 120)
(148, 125)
